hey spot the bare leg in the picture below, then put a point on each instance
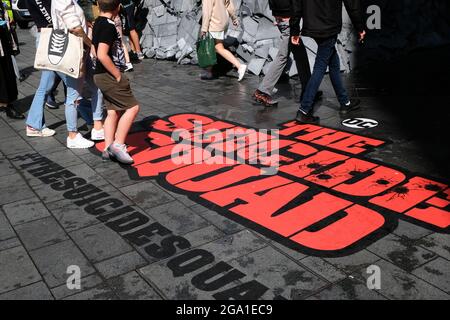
(220, 49)
(125, 122)
(110, 126)
(134, 37)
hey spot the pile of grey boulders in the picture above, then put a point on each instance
(174, 25)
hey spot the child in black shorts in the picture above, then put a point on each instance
(122, 107)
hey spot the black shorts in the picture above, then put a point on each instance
(130, 22)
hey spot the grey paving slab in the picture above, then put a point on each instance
(45, 145)
(131, 286)
(6, 168)
(203, 235)
(6, 230)
(410, 231)
(70, 216)
(99, 242)
(436, 272)
(115, 175)
(348, 289)
(120, 264)
(10, 243)
(147, 195)
(12, 146)
(224, 224)
(86, 283)
(401, 251)
(13, 188)
(177, 217)
(101, 292)
(295, 254)
(437, 243)
(397, 284)
(35, 291)
(40, 233)
(6, 131)
(16, 269)
(64, 157)
(53, 261)
(353, 262)
(325, 269)
(224, 249)
(24, 211)
(280, 274)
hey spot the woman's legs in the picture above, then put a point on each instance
(72, 99)
(220, 49)
(35, 117)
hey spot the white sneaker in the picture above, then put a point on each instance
(129, 67)
(79, 142)
(241, 71)
(97, 135)
(46, 132)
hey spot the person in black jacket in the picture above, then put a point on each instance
(322, 20)
(8, 84)
(282, 11)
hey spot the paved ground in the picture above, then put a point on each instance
(43, 232)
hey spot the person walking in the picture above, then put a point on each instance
(216, 14)
(282, 11)
(8, 84)
(322, 21)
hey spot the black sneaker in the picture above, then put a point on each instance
(352, 106)
(134, 57)
(12, 113)
(306, 117)
(51, 103)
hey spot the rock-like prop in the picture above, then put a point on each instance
(173, 27)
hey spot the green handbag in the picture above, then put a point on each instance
(206, 51)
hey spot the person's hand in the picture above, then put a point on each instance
(236, 22)
(119, 78)
(78, 31)
(295, 40)
(203, 34)
(93, 53)
(362, 36)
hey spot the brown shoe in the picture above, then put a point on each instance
(264, 99)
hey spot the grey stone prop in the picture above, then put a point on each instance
(174, 25)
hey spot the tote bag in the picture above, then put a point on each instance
(61, 51)
(206, 52)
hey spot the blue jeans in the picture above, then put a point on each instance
(92, 110)
(327, 56)
(36, 118)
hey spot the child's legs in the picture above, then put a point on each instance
(127, 54)
(220, 49)
(110, 126)
(125, 122)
